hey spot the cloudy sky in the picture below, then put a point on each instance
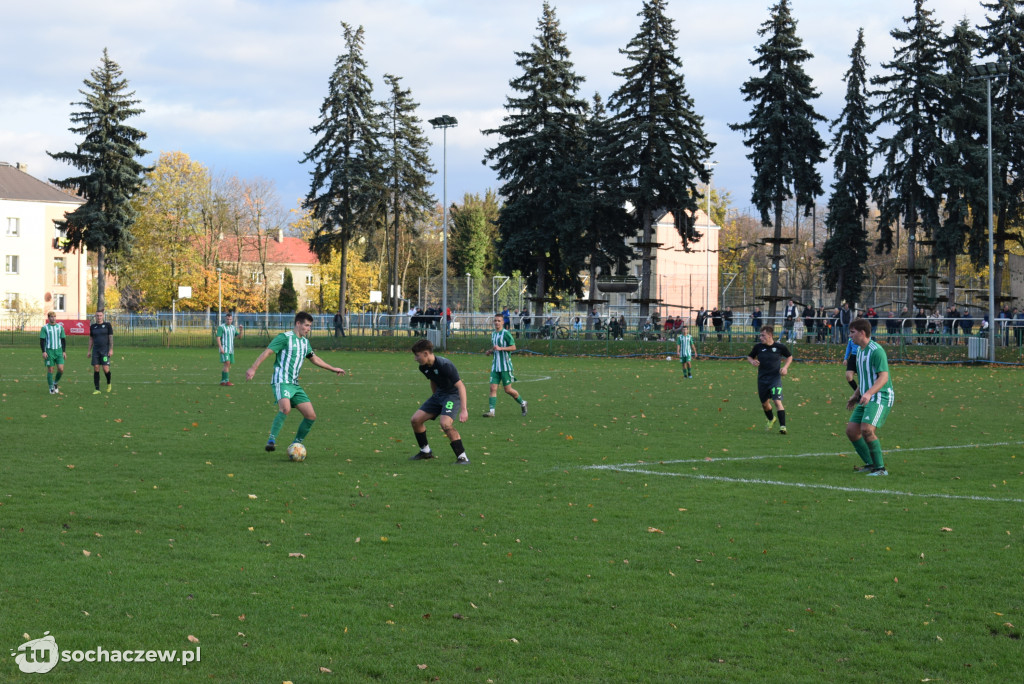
(237, 84)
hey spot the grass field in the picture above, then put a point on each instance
(634, 526)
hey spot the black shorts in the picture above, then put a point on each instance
(100, 358)
(770, 389)
(851, 363)
(442, 405)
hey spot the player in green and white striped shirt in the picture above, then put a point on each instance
(872, 402)
(686, 346)
(502, 346)
(226, 343)
(53, 344)
(292, 349)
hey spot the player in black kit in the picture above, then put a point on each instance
(772, 360)
(447, 401)
(101, 348)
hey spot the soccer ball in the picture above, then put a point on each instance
(668, 358)
(296, 452)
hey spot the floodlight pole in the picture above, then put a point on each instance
(709, 166)
(444, 122)
(988, 71)
(220, 298)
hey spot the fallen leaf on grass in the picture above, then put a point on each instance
(459, 616)
(193, 639)
(86, 552)
(654, 530)
(252, 496)
(296, 555)
(422, 667)
(325, 670)
(947, 529)
(869, 596)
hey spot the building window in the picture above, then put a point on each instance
(60, 271)
(13, 226)
(309, 278)
(59, 303)
(11, 301)
(60, 237)
(256, 277)
(11, 264)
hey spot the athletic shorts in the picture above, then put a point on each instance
(443, 405)
(503, 378)
(54, 357)
(770, 390)
(684, 359)
(872, 414)
(99, 359)
(851, 363)
(227, 358)
(293, 393)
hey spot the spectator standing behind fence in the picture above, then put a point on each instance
(1004, 317)
(891, 324)
(966, 323)
(727, 321)
(756, 319)
(845, 318)
(339, 325)
(872, 317)
(716, 321)
(789, 315)
(808, 315)
(1018, 326)
(702, 320)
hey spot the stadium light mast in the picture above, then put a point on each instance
(444, 122)
(709, 166)
(987, 72)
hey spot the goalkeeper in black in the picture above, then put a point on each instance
(772, 360)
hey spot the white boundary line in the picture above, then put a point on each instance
(640, 469)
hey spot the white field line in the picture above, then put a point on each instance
(644, 469)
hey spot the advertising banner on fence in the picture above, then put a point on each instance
(75, 327)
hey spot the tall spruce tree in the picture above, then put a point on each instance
(960, 172)
(1003, 35)
(606, 225)
(405, 168)
(846, 250)
(538, 161)
(287, 297)
(346, 184)
(910, 110)
(785, 146)
(111, 174)
(657, 140)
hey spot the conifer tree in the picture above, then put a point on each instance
(111, 174)
(405, 166)
(657, 140)
(846, 249)
(345, 186)
(784, 144)
(910, 109)
(605, 224)
(1003, 42)
(961, 171)
(538, 162)
(287, 297)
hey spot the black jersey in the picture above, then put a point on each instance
(769, 358)
(443, 374)
(101, 334)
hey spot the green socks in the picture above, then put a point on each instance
(864, 451)
(49, 379)
(223, 376)
(875, 448)
(60, 374)
(276, 427)
(491, 403)
(304, 428)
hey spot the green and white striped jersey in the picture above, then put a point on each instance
(291, 350)
(871, 361)
(227, 333)
(685, 345)
(502, 359)
(53, 334)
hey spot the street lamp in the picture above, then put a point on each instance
(220, 298)
(988, 71)
(444, 122)
(709, 167)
